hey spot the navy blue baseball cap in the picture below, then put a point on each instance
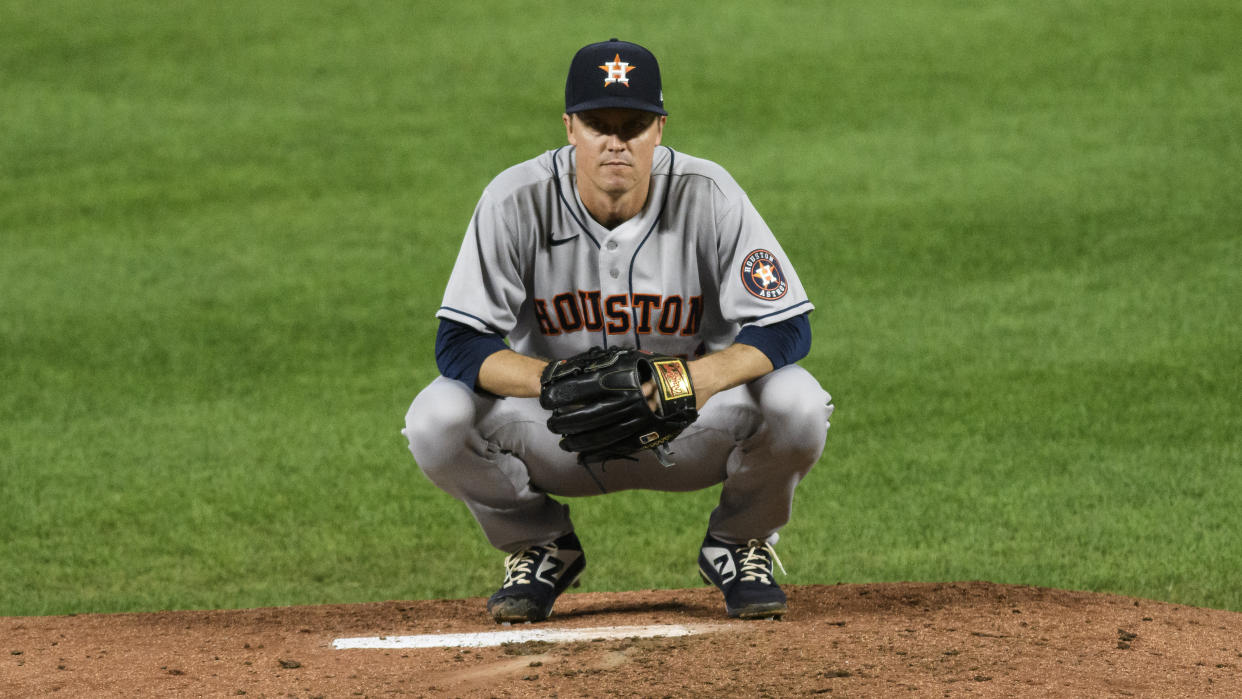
(614, 74)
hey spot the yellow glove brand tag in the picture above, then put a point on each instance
(674, 379)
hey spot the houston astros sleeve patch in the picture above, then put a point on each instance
(762, 276)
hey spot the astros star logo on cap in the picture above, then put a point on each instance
(617, 71)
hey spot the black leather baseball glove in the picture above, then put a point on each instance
(598, 407)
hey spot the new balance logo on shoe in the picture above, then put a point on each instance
(549, 570)
(722, 562)
(534, 578)
(743, 573)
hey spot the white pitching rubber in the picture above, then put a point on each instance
(496, 638)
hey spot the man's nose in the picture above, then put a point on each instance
(615, 142)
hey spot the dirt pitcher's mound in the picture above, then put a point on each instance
(856, 640)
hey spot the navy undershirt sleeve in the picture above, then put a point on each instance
(784, 343)
(460, 350)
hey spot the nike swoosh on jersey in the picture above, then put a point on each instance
(562, 241)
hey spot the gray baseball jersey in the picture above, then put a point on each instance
(680, 278)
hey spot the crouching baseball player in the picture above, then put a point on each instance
(653, 325)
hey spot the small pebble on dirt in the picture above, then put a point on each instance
(837, 673)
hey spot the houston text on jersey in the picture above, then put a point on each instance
(618, 314)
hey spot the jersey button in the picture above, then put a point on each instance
(614, 272)
(611, 245)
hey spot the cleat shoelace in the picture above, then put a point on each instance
(756, 566)
(518, 565)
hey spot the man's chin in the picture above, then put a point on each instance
(616, 173)
(616, 185)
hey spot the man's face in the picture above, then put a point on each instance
(614, 148)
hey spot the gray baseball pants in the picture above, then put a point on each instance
(498, 457)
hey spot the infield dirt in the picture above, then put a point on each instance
(951, 639)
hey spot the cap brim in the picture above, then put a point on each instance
(616, 102)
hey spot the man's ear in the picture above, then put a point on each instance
(660, 121)
(569, 129)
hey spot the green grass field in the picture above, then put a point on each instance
(225, 228)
